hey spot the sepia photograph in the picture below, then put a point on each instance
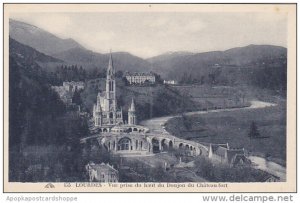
(124, 97)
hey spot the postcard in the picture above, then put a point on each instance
(149, 97)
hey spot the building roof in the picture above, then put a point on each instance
(224, 151)
(139, 74)
(219, 149)
(234, 155)
(102, 167)
(110, 68)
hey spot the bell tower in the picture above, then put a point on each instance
(110, 86)
(105, 111)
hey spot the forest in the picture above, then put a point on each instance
(43, 134)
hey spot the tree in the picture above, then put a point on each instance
(119, 74)
(158, 78)
(76, 99)
(253, 133)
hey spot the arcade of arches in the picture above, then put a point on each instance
(135, 144)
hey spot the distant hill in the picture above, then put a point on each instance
(72, 52)
(168, 56)
(263, 66)
(122, 60)
(252, 53)
(256, 65)
(38, 38)
(176, 64)
(28, 54)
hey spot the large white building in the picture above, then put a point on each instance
(140, 78)
(170, 82)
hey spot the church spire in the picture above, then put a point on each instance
(132, 106)
(132, 120)
(110, 68)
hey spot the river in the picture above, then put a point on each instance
(157, 125)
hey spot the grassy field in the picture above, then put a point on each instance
(206, 96)
(233, 128)
(160, 100)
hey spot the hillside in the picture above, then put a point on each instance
(260, 66)
(29, 91)
(255, 65)
(38, 38)
(40, 128)
(175, 64)
(30, 55)
(33, 57)
(122, 60)
(168, 56)
(70, 51)
(151, 101)
(233, 127)
(241, 56)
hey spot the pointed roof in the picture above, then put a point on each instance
(132, 106)
(110, 68)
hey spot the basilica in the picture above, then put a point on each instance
(124, 137)
(118, 135)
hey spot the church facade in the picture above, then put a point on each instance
(105, 111)
(117, 136)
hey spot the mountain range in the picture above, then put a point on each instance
(227, 67)
(175, 64)
(39, 39)
(71, 52)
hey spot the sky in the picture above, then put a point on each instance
(150, 34)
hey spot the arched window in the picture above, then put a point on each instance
(124, 144)
(111, 86)
(170, 144)
(155, 145)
